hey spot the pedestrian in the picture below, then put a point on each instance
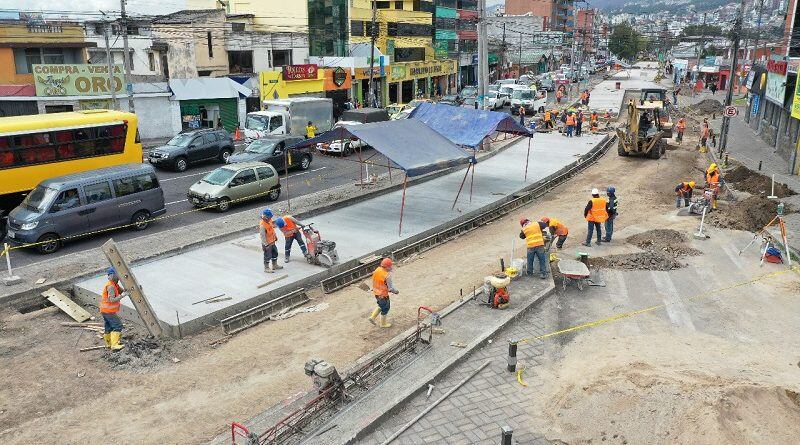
(713, 88)
(607, 117)
(110, 299)
(557, 228)
(704, 133)
(595, 214)
(570, 122)
(311, 130)
(290, 227)
(680, 127)
(534, 236)
(579, 123)
(675, 93)
(713, 182)
(684, 192)
(268, 239)
(382, 286)
(522, 115)
(611, 210)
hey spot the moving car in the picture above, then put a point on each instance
(83, 203)
(546, 82)
(493, 101)
(193, 147)
(235, 183)
(504, 94)
(356, 117)
(273, 149)
(532, 100)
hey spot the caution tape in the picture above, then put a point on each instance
(630, 314)
(5, 250)
(519, 377)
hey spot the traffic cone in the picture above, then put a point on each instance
(237, 135)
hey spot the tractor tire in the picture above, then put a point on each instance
(658, 149)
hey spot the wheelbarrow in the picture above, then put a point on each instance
(573, 271)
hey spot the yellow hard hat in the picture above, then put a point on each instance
(712, 167)
(691, 183)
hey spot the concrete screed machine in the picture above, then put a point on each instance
(648, 126)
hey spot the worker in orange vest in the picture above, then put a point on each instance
(268, 239)
(593, 125)
(381, 287)
(559, 95)
(534, 234)
(109, 307)
(570, 124)
(705, 131)
(290, 227)
(684, 192)
(680, 127)
(548, 120)
(712, 182)
(557, 228)
(595, 214)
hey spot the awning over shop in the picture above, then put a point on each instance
(466, 126)
(207, 88)
(408, 143)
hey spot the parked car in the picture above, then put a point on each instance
(193, 147)
(450, 99)
(394, 109)
(272, 149)
(493, 101)
(345, 147)
(469, 94)
(504, 94)
(235, 183)
(82, 203)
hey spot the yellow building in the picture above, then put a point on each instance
(270, 15)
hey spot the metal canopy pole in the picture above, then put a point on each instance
(286, 173)
(527, 159)
(461, 186)
(402, 205)
(471, 181)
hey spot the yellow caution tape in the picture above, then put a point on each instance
(519, 377)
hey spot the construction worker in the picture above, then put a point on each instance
(268, 239)
(595, 213)
(712, 182)
(522, 115)
(557, 228)
(584, 97)
(559, 95)
(684, 192)
(579, 118)
(311, 130)
(705, 132)
(290, 227)
(680, 127)
(593, 122)
(548, 120)
(534, 235)
(611, 209)
(570, 122)
(109, 307)
(381, 287)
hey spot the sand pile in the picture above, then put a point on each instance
(706, 106)
(751, 214)
(746, 180)
(662, 249)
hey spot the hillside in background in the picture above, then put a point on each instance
(644, 7)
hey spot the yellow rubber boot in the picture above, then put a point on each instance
(107, 339)
(374, 314)
(384, 323)
(114, 338)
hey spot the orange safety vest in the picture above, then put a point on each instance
(681, 125)
(570, 120)
(598, 211)
(559, 94)
(685, 188)
(533, 235)
(379, 286)
(546, 116)
(272, 238)
(109, 307)
(583, 96)
(593, 118)
(500, 297)
(712, 178)
(289, 228)
(561, 229)
(705, 132)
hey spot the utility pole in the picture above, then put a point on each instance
(519, 67)
(110, 68)
(505, 60)
(758, 32)
(126, 56)
(723, 134)
(702, 43)
(483, 56)
(370, 93)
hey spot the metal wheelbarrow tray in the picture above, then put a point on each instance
(573, 270)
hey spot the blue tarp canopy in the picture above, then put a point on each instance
(466, 126)
(409, 143)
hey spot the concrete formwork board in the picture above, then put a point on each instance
(606, 96)
(235, 268)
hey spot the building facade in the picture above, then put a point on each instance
(144, 58)
(290, 16)
(558, 14)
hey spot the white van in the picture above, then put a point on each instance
(534, 101)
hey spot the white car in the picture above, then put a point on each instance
(493, 101)
(533, 101)
(344, 147)
(505, 93)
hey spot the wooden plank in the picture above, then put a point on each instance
(130, 284)
(64, 303)
(93, 348)
(274, 280)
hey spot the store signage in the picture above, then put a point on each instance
(777, 67)
(756, 106)
(339, 76)
(426, 70)
(796, 102)
(398, 72)
(776, 88)
(300, 72)
(76, 80)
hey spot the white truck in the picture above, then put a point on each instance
(289, 116)
(534, 101)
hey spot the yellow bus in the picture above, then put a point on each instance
(37, 147)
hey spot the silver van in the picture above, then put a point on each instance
(81, 203)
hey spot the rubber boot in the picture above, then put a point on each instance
(384, 323)
(114, 337)
(107, 339)
(267, 269)
(374, 314)
(275, 265)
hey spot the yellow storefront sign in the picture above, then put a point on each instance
(273, 86)
(796, 102)
(416, 70)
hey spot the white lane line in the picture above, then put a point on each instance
(175, 202)
(303, 173)
(185, 176)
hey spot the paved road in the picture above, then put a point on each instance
(325, 172)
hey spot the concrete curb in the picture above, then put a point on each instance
(33, 293)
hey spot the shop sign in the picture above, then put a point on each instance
(76, 80)
(756, 105)
(96, 104)
(339, 76)
(776, 88)
(777, 67)
(398, 72)
(796, 102)
(363, 73)
(300, 72)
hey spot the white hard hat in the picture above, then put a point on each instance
(595, 192)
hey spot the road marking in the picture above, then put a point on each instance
(186, 176)
(305, 172)
(175, 202)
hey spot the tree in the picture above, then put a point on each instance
(625, 42)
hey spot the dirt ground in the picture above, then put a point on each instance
(190, 392)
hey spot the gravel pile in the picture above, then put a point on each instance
(754, 183)
(706, 106)
(751, 214)
(662, 250)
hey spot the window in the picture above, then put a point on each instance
(210, 48)
(209, 139)
(6, 155)
(68, 199)
(243, 177)
(416, 5)
(32, 56)
(97, 57)
(391, 29)
(97, 192)
(264, 173)
(357, 28)
(398, 4)
(151, 60)
(53, 55)
(240, 61)
(368, 28)
(382, 5)
(281, 57)
(275, 123)
(237, 27)
(135, 184)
